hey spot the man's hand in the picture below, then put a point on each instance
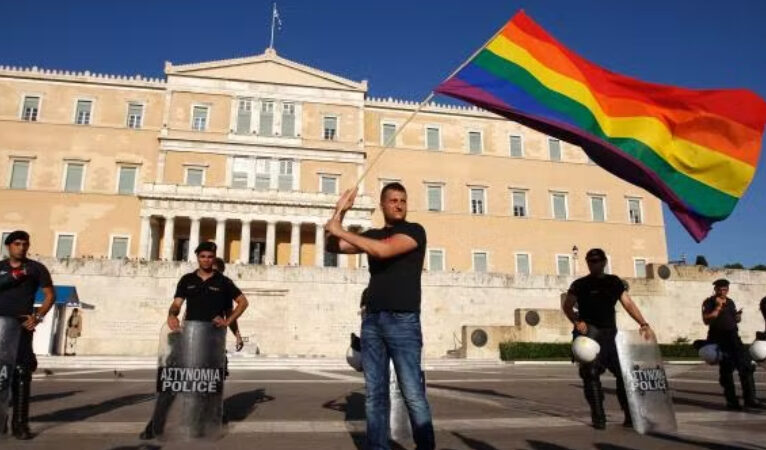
(646, 332)
(333, 226)
(173, 323)
(240, 343)
(19, 273)
(30, 322)
(719, 302)
(220, 322)
(581, 327)
(346, 201)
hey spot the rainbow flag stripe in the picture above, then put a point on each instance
(697, 150)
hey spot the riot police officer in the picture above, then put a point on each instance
(20, 277)
(720, 314)
(595, 297)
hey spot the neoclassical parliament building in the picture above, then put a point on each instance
(253, 152)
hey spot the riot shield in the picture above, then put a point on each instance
(401, 431)
(10, 331)
(646, 383)
(190, 376)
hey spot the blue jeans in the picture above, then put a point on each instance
(395, 336)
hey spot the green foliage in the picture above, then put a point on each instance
(759, 267)
(733, 266)
(515, 351)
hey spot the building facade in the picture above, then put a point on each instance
(253, 152)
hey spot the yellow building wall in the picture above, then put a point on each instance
(214, 165)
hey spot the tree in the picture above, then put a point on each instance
(759, 267)
(701, 261)
(733, 266)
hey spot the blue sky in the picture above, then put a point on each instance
(406, 47)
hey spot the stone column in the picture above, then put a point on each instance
(220, 236)
(244, 242)
(363, 261)
(145, 243)
(295, 243)
(319, 246)
(167, 238)
(193, 238)
(271, 243)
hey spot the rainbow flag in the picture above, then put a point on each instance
(697, 150)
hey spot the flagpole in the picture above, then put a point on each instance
(429, 97)
(273, 18)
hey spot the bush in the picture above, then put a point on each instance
(520, 351)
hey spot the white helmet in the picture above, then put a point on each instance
(758, 351)
(585, 349)
(711, 354)
(354, 359)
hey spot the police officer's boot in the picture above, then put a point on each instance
(148, 432)
(623, 399)
(730, 393)
(20, 392)
(595, 397)
(748, 391)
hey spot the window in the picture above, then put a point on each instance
(127, 180)
(267, 119)
(563, 265)
(285, 175)
(74, 177)
(30, 109)
(263, 174)
(330, 132)
(435, 260)
(559, 201)
(434, 197)
(19, 174)
(634, 211)
(64, 246)
(480, 263)
(199, 118)
(288, 119)
(135, 115)
(523, 266)
(598, 208)
(4, 248)
(195, 176)
(519, 203)
(82, 112)
(554, 149)
(240, 172)
(328, 184)
(517, 147)
(119, 248)
(433, 138)
(474, 142)
(330, 259)
(478, 201)
(387, 135)
(639, 265)
(244, 115)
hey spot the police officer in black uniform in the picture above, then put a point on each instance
(595, 297)
(720, 314)
(208, 295)
(20, 277)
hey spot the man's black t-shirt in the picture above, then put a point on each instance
(206, 299)
(395, 282)
(726, 323)
(596, 297)
(19, 298)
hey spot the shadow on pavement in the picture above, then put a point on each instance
(86, 411)
(704, 444)
(607, 446)
(540, 445)
(52, 396)
(353, 406)
(474, 444)
(239, 406)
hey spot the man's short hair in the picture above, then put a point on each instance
(595, 253)
(395, 186)
(723, 282)
(16, 236)
(206, 247)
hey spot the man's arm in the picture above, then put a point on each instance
(379, 249)
(49, 298)
(709, 314)
(568, 307)
(633, 311)
(242, 305)
(173, 312)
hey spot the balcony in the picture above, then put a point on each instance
(248, 196)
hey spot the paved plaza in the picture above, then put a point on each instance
(536, 406)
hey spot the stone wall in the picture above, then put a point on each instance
(312, 311)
